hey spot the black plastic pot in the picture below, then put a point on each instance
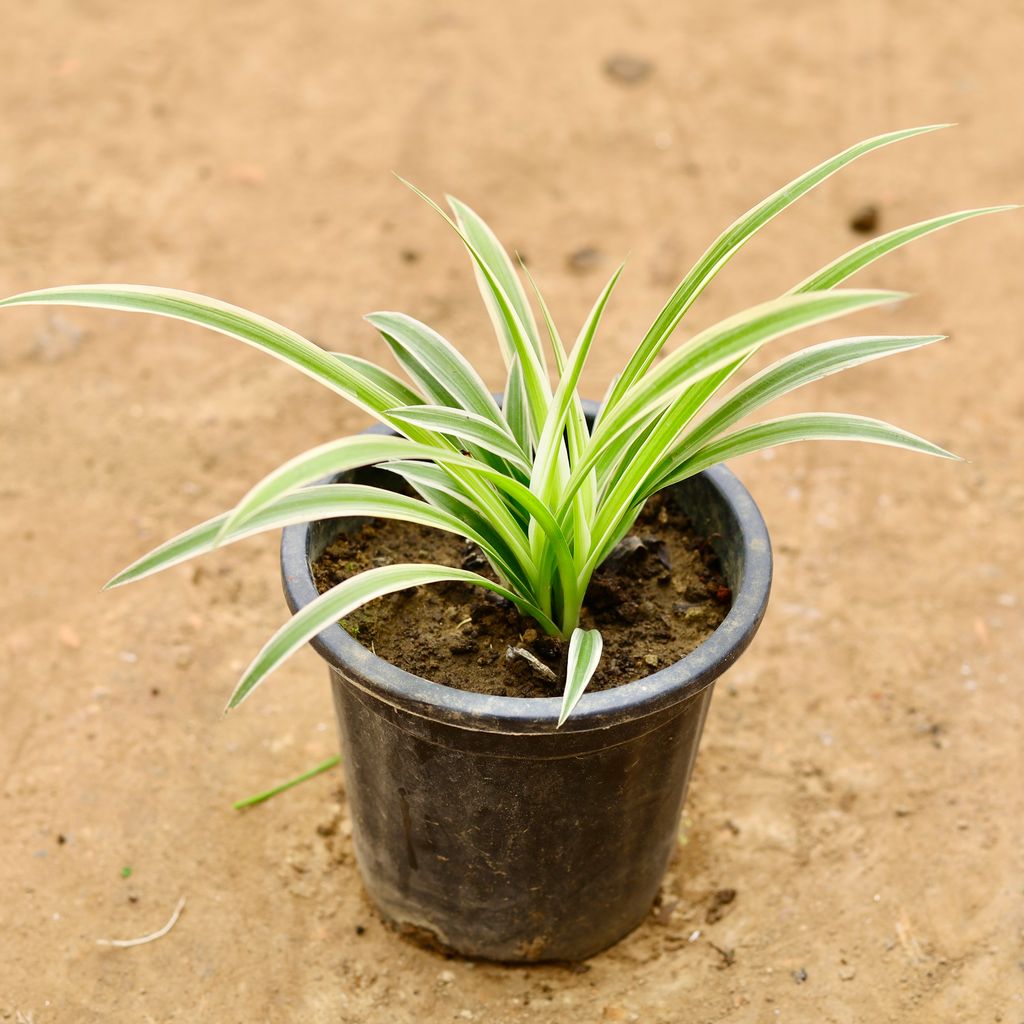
(479, 826)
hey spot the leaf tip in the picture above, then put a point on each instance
(934, 127)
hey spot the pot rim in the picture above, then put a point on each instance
(599, 710)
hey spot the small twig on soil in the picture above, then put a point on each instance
(533, 661)
(152, 937)
(728, 956)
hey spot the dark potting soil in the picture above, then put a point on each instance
(657, 597)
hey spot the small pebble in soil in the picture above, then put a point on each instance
(360, 929)
(864, 219)
(721, 898)
(584, 259)
(847, 973)
(800, 976)
(627, 69)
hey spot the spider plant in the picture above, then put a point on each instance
(545, 497)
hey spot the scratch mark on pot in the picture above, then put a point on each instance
(410, 853)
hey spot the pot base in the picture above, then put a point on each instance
(549, 848)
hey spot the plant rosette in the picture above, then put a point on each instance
(532, 828)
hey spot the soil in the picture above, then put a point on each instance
(657, 597)
(859, 782)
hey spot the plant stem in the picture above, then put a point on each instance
(324, 766)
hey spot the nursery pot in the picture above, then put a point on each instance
(479, 826)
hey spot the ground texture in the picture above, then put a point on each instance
(859, 786)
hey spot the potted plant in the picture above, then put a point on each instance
(515, 827)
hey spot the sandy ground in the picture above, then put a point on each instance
(859, 784)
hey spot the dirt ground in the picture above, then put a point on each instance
(859, 784)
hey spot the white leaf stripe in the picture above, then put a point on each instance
(535, 381)
(804, 427)
(523, 497)
(735, 236)
(436, 365)
(514, 407)
(712, 350)
(397, 388)
(847, 265)
(328, 459)
(224, 318)
(584, 654)
(497, 259)
(550, 446)
(577, 429)
(628, 482)
(328, 501)
(466, 425)
(345, 598)
(717, 346)
(788, 374)
(436, 486)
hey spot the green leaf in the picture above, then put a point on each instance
(436, 486)
(465, 425)
(723, 248)
(514, 407)
(394, 386)
(584, 654)
(328, 501)
(502, 269)
(345, 598)
(796, 370)
(713, 350)
(342, 377)
(443, 373)
(820, 426)
(717, 346)
(577, 434)
(839, 270)
(325, 460)
(545, 477)
(620, 501)
(523, 347)
(420, 473)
